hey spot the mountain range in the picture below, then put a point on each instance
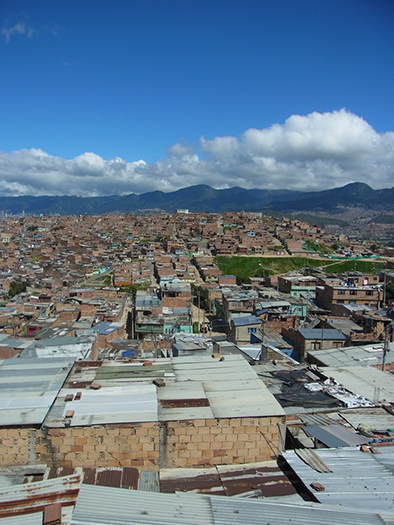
(203, 198)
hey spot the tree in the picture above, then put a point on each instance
(390, 292)
(16, 287)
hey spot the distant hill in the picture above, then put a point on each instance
(203, 198)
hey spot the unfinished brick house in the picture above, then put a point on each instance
(167, 413)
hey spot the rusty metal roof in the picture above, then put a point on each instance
(229, 480)
(31, 498)
(120, 477)
(202, 481)
(266, 477)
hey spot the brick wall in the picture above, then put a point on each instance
(211, 442)
(88, 310)
(122, 445)
(175, 302)
(14, 446)
(146, 446)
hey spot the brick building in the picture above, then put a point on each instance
(167, 413)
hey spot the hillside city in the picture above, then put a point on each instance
(189, 356)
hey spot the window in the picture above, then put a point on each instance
(353, 292)
(369, 292)
(316, 345)
(251, 330)
(341, 292)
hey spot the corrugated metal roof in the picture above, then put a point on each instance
(172, 402)
(309, 456)
(149, 482)
(273, 304)
(64, 347)
(318, 333)
(368, 355)
(105, 328)
(108, 506)
(29, 387)
(266, 477)
(375, 418)
(195, 388)
(386, 457)
(229, 480)
(316, 419)
(129, 508)
(201, 480)
(245, 321)
(113, 405)
(369, 382)
(357, 478)
(35, 518)
(34, 497)
(248, 396)
(235, 511)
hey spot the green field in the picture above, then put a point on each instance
(322, 221)
(245, 267)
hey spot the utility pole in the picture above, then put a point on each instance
(322, 337)
(198, 303)
(385, 346)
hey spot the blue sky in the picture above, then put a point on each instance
(100, 97)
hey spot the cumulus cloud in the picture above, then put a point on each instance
(20, 28)
(313, 152)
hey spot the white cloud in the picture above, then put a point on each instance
(312, 152)
(20, 28)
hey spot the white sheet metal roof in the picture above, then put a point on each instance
(107, 505)
(113, 405)
(28, 389)
(357, 479)
(374, 418)
(204, 388)
(36, 518)
(369, 382)
(191, 391)
(236, 511)
(368, 355)
(231, 386)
